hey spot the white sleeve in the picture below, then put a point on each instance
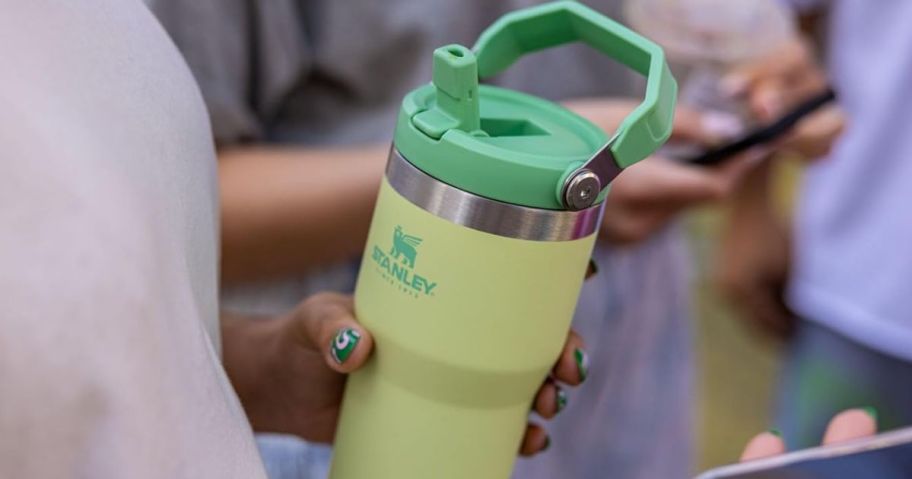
(108, 260)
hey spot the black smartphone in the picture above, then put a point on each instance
(885, 456)
(763, 134)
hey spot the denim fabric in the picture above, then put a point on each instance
(287, 457)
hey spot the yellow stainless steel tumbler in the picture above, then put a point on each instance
(482, 233)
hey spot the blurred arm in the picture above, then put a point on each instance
(286, 210)
(753, 261)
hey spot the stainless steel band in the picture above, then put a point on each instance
(484, 214)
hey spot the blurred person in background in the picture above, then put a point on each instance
(303, 98)
(838, 287)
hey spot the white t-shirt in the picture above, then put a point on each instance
(853, 263)
(109, 364)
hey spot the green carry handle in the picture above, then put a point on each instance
(552, 24)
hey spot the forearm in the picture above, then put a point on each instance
(287, 210)
(607, 112)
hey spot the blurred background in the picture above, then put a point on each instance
(737, 367)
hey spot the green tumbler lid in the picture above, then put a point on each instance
(520, 149)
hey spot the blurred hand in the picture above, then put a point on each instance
(780, 81)
(290, 372)
(774, 83)
(814, 136)
(646, 196)
(753, 261)
(846, 426)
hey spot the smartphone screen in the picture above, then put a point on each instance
(887, 456)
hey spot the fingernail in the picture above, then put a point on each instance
(343, 344)
(775, 432)
(872, 412)
(582, 363)
(561, 398)
(547, 443)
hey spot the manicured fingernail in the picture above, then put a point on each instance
(775, 432)
(547, 443)
(343, 344)
(582, 363)
(871, 411)
(561, 398)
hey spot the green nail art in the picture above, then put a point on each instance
(343, 344)
(871, 411)
(582, 363)
(775, 432)
(561, 399)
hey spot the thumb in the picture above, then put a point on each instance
(328, 326)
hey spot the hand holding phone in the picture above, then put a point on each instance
(850, 451)
(764, 134)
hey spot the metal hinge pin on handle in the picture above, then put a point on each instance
(583, 187)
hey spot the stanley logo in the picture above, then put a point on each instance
(398, 266)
